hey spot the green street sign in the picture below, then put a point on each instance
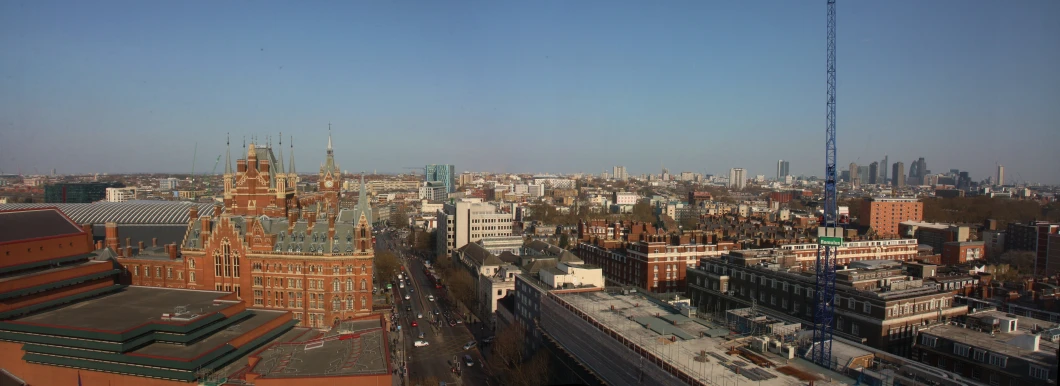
(388, 286)
(831, 241)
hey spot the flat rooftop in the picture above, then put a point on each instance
(128, 308)
(353, 348)
(999, 343)
(653, 325)
(215, 340)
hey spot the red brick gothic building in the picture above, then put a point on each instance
(273, 246)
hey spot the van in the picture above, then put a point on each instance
(468, 361)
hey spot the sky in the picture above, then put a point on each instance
(530, 86)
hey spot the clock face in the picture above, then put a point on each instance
(328, 184)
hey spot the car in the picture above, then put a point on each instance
(488, 340)
(421, 343)
(408, 308)
(419, 316)
(414, 324)
(469, 345)
(458, 321)
(407, 297)
(421, 335)
(468, 361)
(401, 285)
(430, 298)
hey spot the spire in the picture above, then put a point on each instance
(329, 164)
(279, 155)
(291, 169)
(228, 153)
(329, 138)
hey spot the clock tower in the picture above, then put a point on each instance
(330, 182)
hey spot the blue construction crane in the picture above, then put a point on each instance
(829, 234)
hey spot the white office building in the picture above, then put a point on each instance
(469, 220)
(121, 194)
(168, 183)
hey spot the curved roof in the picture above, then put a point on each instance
(163, 212)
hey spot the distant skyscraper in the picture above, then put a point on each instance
(874, 172)
(898, 174)
(853, 171)
(1000, 175)
(619, 172)
(782, 170)
(863, 175)
(883, 169)
(737, 178)
(444, 175)
(921, 170)
(914, 173)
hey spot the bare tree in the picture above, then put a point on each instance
(462, 286)
(386, 266)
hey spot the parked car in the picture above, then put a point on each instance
(467, 360)
(422, 343)
(469, 345)
(488, 340)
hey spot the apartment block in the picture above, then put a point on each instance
(934, 234)
(959, 252)
(654, 264)
(875, 303)
(121, 194)
(1032, 236)
(883, 215)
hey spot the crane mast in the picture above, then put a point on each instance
(829, 234)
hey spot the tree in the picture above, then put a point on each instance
(462, 286)
(508, 359)
(420, 239)
(564, 241)
(1023, 261)
(399, 218)
(386, 266)
(642, 212)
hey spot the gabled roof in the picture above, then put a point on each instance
(480, 256)
(28, 224)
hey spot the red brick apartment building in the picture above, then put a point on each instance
(65, 319)
(273, 246)
(657, 263)
(884, 214)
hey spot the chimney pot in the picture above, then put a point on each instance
(154, 241)
(141, 245)
(128, 251)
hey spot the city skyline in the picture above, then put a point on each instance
(129, 87)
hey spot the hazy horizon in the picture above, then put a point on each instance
(561, 87)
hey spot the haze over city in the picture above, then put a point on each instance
(125, 86)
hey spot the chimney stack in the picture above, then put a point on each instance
(217, 209)
(204, 233)
(99, 245)
(193, 213)
(112, 236)
(141, 245)
(128, 251)
(154, 241)
(128, 242)
(172, 251)
(331, 224)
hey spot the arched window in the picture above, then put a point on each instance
(349, 303)
(191, 263)
(335, 270)
(364, 269)
(335, 306)
(364, 285)
(335, 285)
(363, 300)
(349, 268)
(349, 285)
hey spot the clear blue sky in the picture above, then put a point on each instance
(530, 86)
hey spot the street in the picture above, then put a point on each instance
(446, 343)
